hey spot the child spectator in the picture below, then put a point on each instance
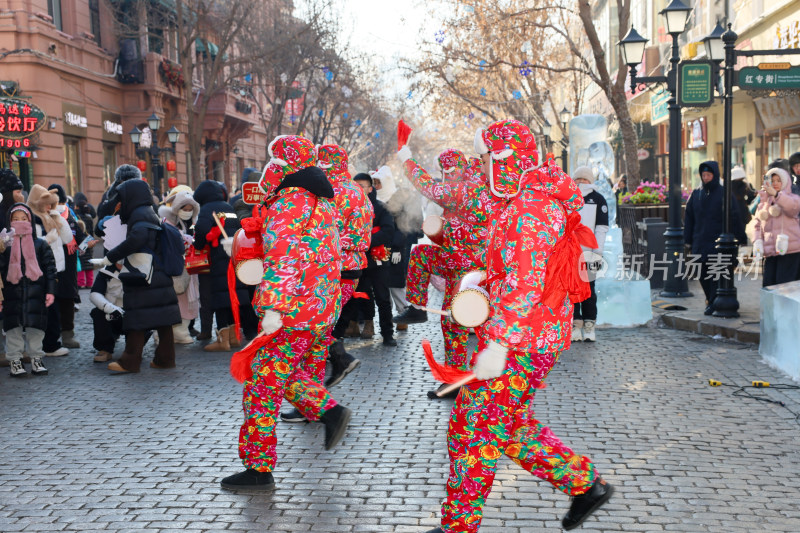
(29, 282)
(777, 233)
(106, 295)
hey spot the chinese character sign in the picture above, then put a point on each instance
(18, 121)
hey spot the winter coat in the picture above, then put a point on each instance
(154, 305)
(67, 287)
(106, 289)
(354, 221)
(776, 215)
(211, 197)
(522, 238)
(704, 222)
(594, 215)
(189, 298)
(743, 196)
(383, 228)
(24, 302)
(302, 252)
(403, 240)
(86, 214)
(40, 200)
(468, 207)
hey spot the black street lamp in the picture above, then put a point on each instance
(173, 134)
(633, 45)
(564, 116)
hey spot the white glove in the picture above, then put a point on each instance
(404, 154)
(188, 240)
(491, 362)
(52, 236)
(769, 189)
(227, 245)
(110, 308)
(271, 322)
(54, 212)
(395, 257)
(104, 262)
(758, 248)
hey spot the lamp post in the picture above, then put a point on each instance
(676, 15)
(564, 116)
(173, 134)
(546, 128)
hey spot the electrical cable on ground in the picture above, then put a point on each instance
(742, 391)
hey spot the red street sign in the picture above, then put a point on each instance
(252, 194)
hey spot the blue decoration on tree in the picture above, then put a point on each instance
(525, 70)
(344, 115)
(481, 63)
(483, 91)
(358, 122)
(439, 36)
(409, 95)
(471, 116)
(377, 135)
(321, 112)
(517, 95)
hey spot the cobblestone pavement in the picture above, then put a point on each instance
(87, 451)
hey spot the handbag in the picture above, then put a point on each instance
(197, 261)
(181, 283)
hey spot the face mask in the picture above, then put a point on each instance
(585, 188)
(61, 208)
(185, 215)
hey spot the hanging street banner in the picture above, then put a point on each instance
(769, 78)
(694, 84)
(19, 119)
(659, 107)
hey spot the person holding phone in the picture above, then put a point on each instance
(777, 230)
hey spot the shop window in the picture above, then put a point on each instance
(791, 144)
(773, 148)
(72, 165)
(109, 163)
(54, 10)
(94, 18)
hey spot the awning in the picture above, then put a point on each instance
(201, 47)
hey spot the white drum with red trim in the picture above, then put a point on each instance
(433, 228)
(246, 255)
(470, 304)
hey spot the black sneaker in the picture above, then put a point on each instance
(249, 479)
(432, 394)
(37, 367)
(17, 369)
(411, 315)
(709, 310)
(389, 341)
(293, 416)
(584, 505)
(342, 363)
(336, 421)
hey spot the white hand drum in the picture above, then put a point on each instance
(470, 304)
(433, 228)
(247, 257)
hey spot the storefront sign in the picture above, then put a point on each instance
(252, 194)
(659, 107)
(75, 122)
(19, 119)
(757, 78)
(694, 82)
(642, 154)
(112, 127)
(787, 36)
(778, 112)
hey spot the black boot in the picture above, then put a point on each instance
(335, 421)
(432, 394)
(342, 363)
(411, 315)
(293, 416)
(585, 504)
(249, 479)
(389, 341)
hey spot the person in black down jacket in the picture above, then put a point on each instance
(702, 227)
(212, 196)
(147, 307)
(29, 285)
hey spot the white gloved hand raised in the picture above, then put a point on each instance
(758, 247)
(7, 235)
(227, 245)
(404, 154)
(271, 322)
(491, 361)
(52, 236)
(110, 308)
(395, 257)
(100, 262)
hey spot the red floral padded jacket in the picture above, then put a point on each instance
(522, 239)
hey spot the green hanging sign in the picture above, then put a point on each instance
(694, 84)
(754, 78)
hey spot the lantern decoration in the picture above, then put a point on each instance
(172, 182)
(171, 166)
(141, 165)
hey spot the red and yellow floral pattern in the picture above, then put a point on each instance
(279, 372)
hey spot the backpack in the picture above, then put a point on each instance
(169, 248)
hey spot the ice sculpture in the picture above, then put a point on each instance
(623, 297)
(780, 336)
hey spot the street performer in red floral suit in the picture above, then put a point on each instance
(533, 257)
(354, 222)
(297, 302)
(468, 207)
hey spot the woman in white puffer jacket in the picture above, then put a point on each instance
(777, 229)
